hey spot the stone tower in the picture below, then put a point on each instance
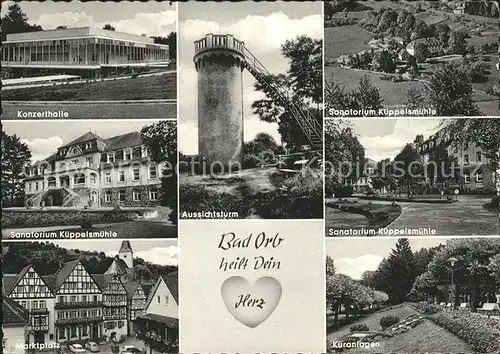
(219, 61)
(126, 254)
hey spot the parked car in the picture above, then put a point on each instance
(130, 349)
(76, 348)
(92, 346)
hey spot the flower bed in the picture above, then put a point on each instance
(481, 333)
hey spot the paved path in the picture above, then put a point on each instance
(467, 217)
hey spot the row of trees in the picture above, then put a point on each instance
(343, 292)
(425, 275)
(482, 8)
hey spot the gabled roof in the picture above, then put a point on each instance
(51, 281)
(102, 280)
(85, 137)
(172, 282)
(119, 267)
(13, 313)
(131, 286)
(125, 247)
(64, 272)
(11, 280)
(122, 141)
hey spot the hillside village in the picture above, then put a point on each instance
(407, 43)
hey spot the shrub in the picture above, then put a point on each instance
(250, 161)
(388, 321)
(426, 309)
(343, 191)
(479, 332)
(360, 327)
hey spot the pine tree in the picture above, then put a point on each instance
(330, 266)
(401, 271)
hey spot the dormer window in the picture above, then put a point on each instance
(127, 154)
(110, 157)
(88, 146)
(144, 151)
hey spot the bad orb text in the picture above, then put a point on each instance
(259, 241)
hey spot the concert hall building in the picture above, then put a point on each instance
(86, 51)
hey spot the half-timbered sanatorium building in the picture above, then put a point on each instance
(86, 51)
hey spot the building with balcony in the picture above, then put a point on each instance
(14, 326)
(78, 305)
(161, 318)
(114, 305)
(470, 169)
(85, 51)
(31, 291)
(92, 171)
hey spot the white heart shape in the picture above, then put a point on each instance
(251, 304)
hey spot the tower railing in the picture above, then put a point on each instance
(306, 121)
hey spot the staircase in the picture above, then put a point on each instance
(35, 199)
(69, 198)
(310, 126)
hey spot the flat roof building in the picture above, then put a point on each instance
(81, 48)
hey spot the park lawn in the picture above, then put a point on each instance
(337, 219)
(373, 320)
(479, 41)
(393, 94)
(426, 337)
(345, 40)
(140, 88)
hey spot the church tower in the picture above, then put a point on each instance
(126, 254)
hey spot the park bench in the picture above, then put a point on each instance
(489, 308)
(464, 306)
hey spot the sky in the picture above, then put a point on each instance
(152, 18)
(385, 138)
(367, 254)
(161, 252)
(264, 27)
(43, 138)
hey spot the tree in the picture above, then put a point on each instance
(401, 272)
(457, 43)
(330, 266)
(406, 167)
(305, 57)
(161, 141)
(383, 61)
(171, 41)
(16, 157)
(343, 153)
(439, 167)
(109, 27)
(477, 71)
(442, 33)
(16, 21)
(366, 96)
(494, 267)
(415, 98)
(450, 92)
(335, 95)
(421, 52)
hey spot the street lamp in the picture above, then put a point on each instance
(452, 262)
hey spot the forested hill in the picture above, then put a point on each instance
(47, 259)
